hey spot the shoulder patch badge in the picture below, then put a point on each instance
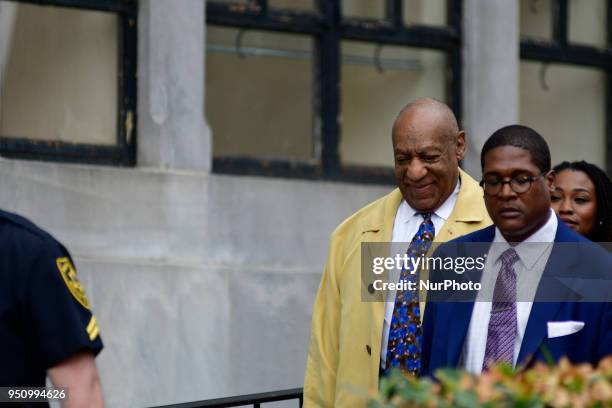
(69, 275)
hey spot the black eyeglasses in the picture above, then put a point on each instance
(519, 184)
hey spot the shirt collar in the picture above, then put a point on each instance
(405, 212)
(531, 249)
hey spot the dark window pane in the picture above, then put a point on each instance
(371, 99)
(259, 97)
(570, 113)
(58, 74)
(536, 19)
(299, 5)
(363, 8)
(425, 12)
(587, 22)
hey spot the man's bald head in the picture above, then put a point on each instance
(430, 111)
(427, 146)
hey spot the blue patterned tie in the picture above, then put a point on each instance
(503, 323)
(405, 332)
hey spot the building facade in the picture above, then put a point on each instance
(195, 156)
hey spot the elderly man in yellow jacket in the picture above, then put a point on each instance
(349, 343)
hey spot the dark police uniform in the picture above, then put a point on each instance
(44, 312)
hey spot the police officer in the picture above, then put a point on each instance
(46, 326)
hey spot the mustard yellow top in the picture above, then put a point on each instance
(345, 341)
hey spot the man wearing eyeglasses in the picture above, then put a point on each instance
(527, 308)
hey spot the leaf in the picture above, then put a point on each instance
(418, 392)
(541, 386)
(466, 399)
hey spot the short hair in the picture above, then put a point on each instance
(603, 191)
(522, 137)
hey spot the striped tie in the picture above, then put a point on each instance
(503, 323)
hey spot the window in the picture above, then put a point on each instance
(309, 89)
(68, 80)
(565, 77)
(266, 63)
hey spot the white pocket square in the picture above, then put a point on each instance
(558, 329)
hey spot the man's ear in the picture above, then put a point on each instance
(460, 145)
(550, 180)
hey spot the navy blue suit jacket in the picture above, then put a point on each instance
(445, 324)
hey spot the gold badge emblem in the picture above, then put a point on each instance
(69, 275)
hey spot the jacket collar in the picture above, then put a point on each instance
(382, 221)
(470, 191)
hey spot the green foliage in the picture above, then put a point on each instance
(561, 385)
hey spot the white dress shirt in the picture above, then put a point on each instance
(405, 226)
(533, 254)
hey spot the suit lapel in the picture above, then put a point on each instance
(460, 315)
(461, 312)
(536, 331)
(549, 288)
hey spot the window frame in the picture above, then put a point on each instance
(123, 153)
(328, 28)
(561, 51)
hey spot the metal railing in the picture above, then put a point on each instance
(243, 400)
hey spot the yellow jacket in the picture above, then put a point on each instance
(346, 335)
